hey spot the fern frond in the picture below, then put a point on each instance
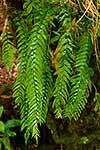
(8, 49)
(81, 80)
(20, 85)
(22, 37)
(34, 80)
(35, 73)
(37, 48)
(64, 54)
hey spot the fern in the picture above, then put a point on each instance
(22, 36)
(8, 49)
(37, 47)
(20, 85)
(64, 56)
(33, 86)
(34, 81)
(80, 82)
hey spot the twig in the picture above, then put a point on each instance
(91, 19)
(85, 12)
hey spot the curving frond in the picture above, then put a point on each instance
(64, 54)
(80, 82)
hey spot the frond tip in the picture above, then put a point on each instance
(80, 82)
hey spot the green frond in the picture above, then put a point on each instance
(37, 48)
(20, 84)
(81, 80)
(8, 49)
(64, 65)
(22, 37)
(35, 71)
(34, 80)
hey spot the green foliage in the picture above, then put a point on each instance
(64, 54)
(6, 133)
(80, 81)
(33, 93)
(8, 49)
(42, 28)
(22, 37)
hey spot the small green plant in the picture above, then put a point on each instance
(5, 132)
